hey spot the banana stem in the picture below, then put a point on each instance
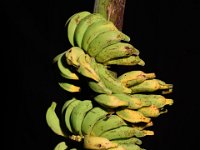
(112, 10)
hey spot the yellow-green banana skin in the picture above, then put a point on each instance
(69, 87)
(99, 87)
(72, 23)
(117, 50)
(61, 146)
(78, 114)
(91, 118)
(107, 123)
(132, 140)
(84, 24)
(52, 120)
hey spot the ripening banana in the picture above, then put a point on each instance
(72, 23)
(78, 114)
(135, 77)
(157, 100)
(126, 61)
(117, 50)
(110, 101)
(64, 71)
(68, 112)
(125, 132)
(132, 116)
(132, 140)
(105, 39)
(52, 120)
(98, 143)
(84, 24)
(61, 146)
(131, 147)
(107, 123)
(91, 118)
(151, 85)
(99, 87)
(110, 82)
(119, 147)
(94, 30)
(69, 87)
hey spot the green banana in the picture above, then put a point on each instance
(91, 118)
(52, 119)
(126, 61)
(132, 140)
(72, 24)
(157, 100)
(131, 147)
(94, 30)
(78, 114)
(66, 104)
(125, 132)
(69, 87)
(98, 143)
(86, 68)
(99, 87)
(65, 72)
(68, 112)
(110, 101)
(72, 55)
(151, 85)
(61, 146)
(117, 50)
(107, 123)
(110, 82)
(135, 77)
(132, 116)
(84, 24)
(105, 39)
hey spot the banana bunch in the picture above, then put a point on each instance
(121, 107)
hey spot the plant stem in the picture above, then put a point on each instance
(112, 10)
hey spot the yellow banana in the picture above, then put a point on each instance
(135, 77)
(151, 111)
(84, 24)
(98, 143)
(61, 146)
(99, 87)
(52, 120)
(107, 123)
(91, 118)
(94, 30)
(110, 101)
(72, 23)
(78, 114)
(117, 148)
(117, 50)
(132, 116)
(68, 112)
(126, 61)
(69, 87)
(151, 85)
(105, 39)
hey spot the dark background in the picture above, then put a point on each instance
(166, 33)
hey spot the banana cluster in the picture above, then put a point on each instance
(117, 116)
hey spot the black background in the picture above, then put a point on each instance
(166, 33)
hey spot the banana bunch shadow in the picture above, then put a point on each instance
(121, 107)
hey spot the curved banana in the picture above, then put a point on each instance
(151, 111)
(72, 23)
(157, 100)
(99, 87)
(98, 143)
(131, 147)
(91, 118)
(117, 50)
(110, 101)
(84, 24)
(65, 72)
(132, 116)
(132, 140)
(66, 104)
(52, 119)
(125, 132)
(107, 123)
(119, 147)
(110, 82)
(151, 85)
(94, 30)
(126, 61)
(69, 87)
(68, 112)
(61, 146)
(105, 39)
(78, 115)
(135, 77)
